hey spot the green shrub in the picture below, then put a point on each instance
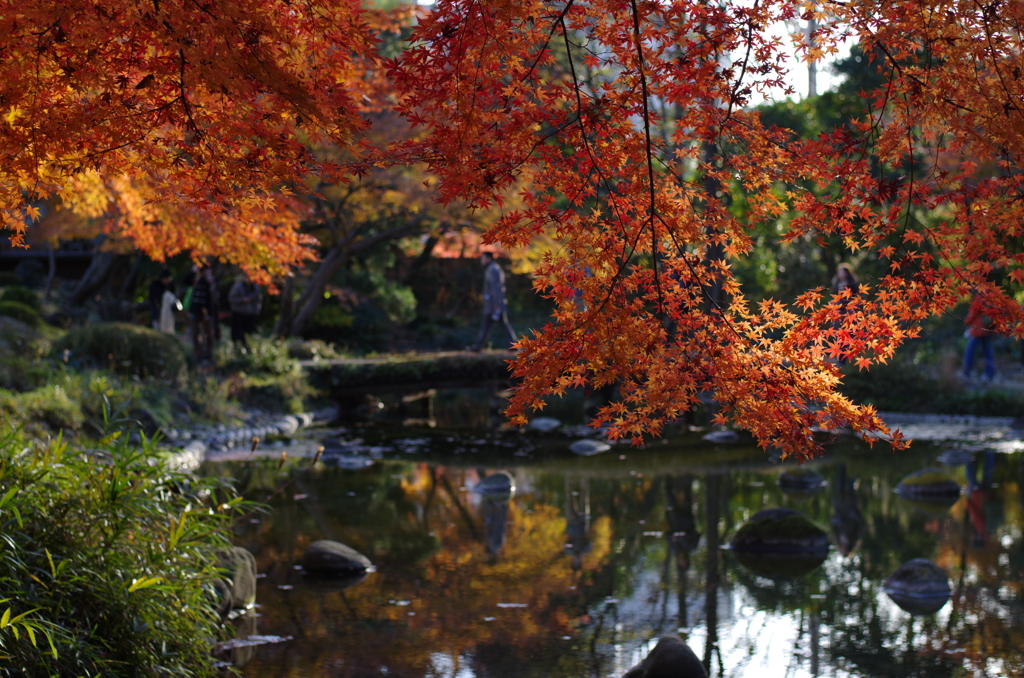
(18, 373)
(8, 278)
(260, 356)
(20, 311)
(127, 349)
(108, 558)
(49, 406)
(22, 295)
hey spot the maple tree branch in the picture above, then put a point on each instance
(650, 160)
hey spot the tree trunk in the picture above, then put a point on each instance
(338, 256)
(287, 308)
(103, 263)
(313, 296)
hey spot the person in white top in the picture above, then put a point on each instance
(169, 304)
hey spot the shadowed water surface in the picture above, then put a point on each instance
(594, 558)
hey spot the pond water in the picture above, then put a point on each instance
(594, 558)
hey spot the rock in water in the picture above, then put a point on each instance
(721, 437)
(544, 424)
(589, 447)
(780, 543)
(780, 530)
(928, 483)
(670, 658)
(801, 479)
(327, 557)
(919, 586)
(956, 457)
(237, 588)
(500, 483)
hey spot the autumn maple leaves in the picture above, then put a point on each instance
(623, 128)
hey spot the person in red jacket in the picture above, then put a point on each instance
(979, 333)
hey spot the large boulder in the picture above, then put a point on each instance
(331, 558)
(919, 586)
(929, 484)
(780, 530)
(236, 590)
(780, 543)
(670, 658)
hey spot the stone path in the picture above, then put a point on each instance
(194, 445)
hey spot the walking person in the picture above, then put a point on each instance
(246, 299)
(979, 333)
(157, 289)
(168, 306)
(495, 304)
(203, 314)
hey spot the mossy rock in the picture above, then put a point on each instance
(928, 484)
(918, 586)
(801, 479)
(20, 311)
(127, 349)
(780, 530)
(21, 295)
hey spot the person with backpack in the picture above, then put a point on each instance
(979, 333)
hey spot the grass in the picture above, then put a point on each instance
(108, 561)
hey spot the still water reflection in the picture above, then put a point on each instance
(594, 558)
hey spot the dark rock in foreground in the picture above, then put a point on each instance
(919, 586)
(237, 588)
(780, 530)
(331, 558)
(928, 484)
(670, 658)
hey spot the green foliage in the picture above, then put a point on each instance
(127, 349)
(20, 311)
(260, 356)
(108, 558)
(313, 349)
(903, 387)
(22, 295)
(48, 406)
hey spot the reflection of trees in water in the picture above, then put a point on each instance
(594, 521)
(451, 592)
(847, 520)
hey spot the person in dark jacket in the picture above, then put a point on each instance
(203, 313)
(979, 333)
(495, 305)
(165, 283)
(246, 299)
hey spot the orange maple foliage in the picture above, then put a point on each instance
(559, 97)
(215, 106)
